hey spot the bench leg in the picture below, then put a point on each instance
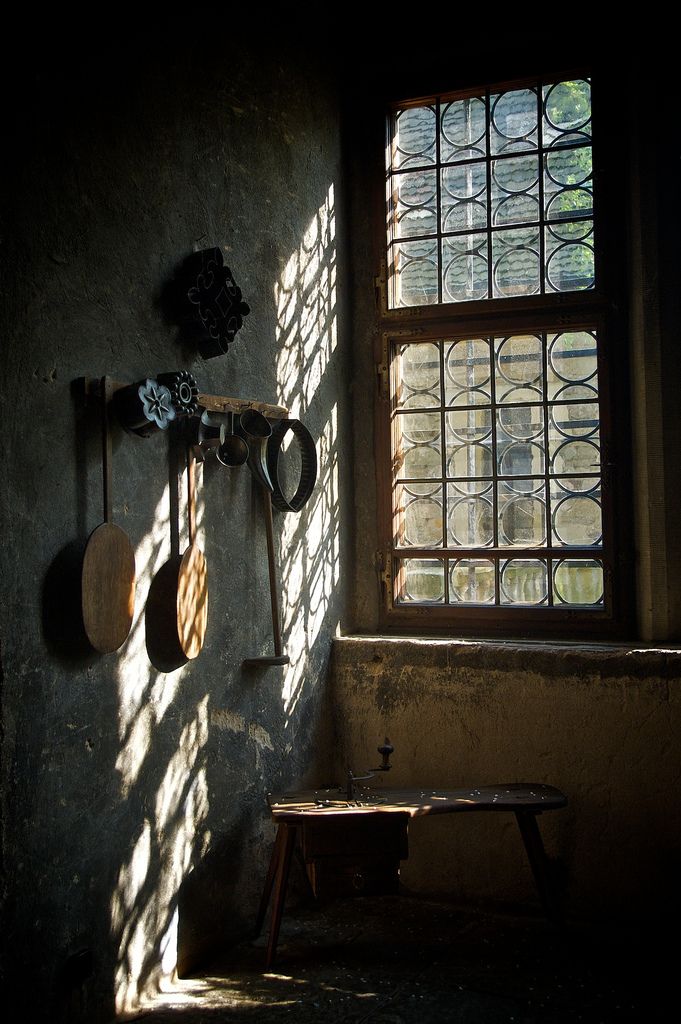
(534, 847)
(277, 877)
(269, 882)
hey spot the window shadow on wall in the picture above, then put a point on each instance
(194, 771)
(307, 332)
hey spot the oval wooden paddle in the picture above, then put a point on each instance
(108, 576)
(192, 581)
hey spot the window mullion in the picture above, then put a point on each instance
(547, 465)
(488, 146)
(438, 199)
(495, 473)
(542, 234)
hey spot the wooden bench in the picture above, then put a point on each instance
(356, 845)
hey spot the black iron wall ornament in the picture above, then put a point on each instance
(211, 301)
(184, 391)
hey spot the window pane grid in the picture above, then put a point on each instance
(507, 486)
(565, 148)
(445, 504)
(522, 581)
(547, 462)
(495, 209)
(495, 448)
(438, 185)
(488, 170)
(542, 246)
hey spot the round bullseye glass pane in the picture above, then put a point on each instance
(471, 522)
(577, 520)
(468, 363)
(523, 521)
(519, 359)
(471, 580)
(524, 581)
(578, 582)
(567, 105)
(514, 113)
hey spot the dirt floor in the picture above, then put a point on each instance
(398, 960)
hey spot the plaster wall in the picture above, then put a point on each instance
(602, 724)
(135, 830)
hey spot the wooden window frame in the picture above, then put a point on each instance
(601, 308)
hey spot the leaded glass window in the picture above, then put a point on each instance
(497, 470)
(490, 195)
(499, 494)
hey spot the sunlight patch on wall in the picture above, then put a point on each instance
(309, 558)
(230, 721)
(169, 945)
(131, 878)
(310, 564)
(144, 694)
(170, 792)
(169, 779)
(144, 903)
(306, 311)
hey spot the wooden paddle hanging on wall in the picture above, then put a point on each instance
(108, 576)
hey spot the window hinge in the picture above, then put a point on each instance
(385, 576)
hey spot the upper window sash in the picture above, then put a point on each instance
(489, 196)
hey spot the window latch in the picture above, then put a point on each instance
(385, 577)
(383, 370)
(383, 381)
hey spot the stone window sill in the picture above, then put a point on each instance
(559, 658)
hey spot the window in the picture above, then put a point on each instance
(497, 506)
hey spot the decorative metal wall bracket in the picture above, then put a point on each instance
(169, 395)
(209, 302)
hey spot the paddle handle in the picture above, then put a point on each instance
(106, 448)
(191, 496)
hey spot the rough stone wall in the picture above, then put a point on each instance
(599, 723)
(135, 832)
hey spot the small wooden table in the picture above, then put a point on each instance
(326, 811)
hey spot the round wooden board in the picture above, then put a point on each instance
(108, 588)
(192, 601)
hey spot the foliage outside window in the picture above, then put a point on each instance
(492, 356)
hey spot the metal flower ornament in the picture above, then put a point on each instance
(157, 403)
(144, 407)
